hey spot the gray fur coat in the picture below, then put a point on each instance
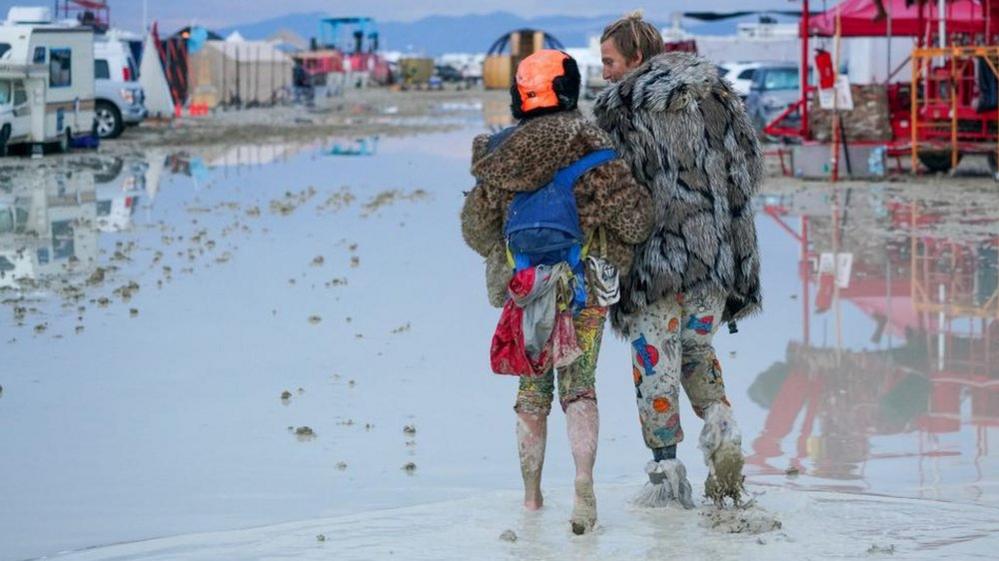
(686, 136)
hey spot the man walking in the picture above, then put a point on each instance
(685, 135)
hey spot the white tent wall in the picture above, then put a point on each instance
(250, 72)
(866, 59)
(720, 49)
(158, 100)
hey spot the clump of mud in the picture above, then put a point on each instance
(304, 433)
(291, 201)
(337, 201)
(386, 198)
(508, 536)
(751, 520)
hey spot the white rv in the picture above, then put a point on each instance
(46, 80)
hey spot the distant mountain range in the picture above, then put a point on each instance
(435, 35)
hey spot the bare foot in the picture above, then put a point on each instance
(584, 513)
(533, 503)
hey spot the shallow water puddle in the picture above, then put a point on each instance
(185, 318)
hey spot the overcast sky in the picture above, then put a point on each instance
(220, 13)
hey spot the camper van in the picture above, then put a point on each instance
(46, 80)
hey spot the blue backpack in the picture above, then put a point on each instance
(542, 226)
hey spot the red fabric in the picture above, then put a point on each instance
(824, 64)
(92, 4)
(823, 299)
(508, 353)
(522, 282)
(857, 19)
(563, 348)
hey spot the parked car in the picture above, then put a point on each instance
(118, 95)
(448, 73)
(774, 88)
(48, 70)
(740, 75)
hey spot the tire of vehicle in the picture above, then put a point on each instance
(937, 162)
(109, 123)
(4, 137)
(109, 170)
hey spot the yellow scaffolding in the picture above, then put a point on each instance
(921, 58)
(934, 265)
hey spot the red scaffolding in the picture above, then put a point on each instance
(939, 116)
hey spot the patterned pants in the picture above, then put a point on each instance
(670, 346)
(576, 381)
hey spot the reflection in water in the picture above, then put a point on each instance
(359, 147)
(46, 225)
(51, 217)
(924, 276)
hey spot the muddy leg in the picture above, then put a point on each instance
(532, 433)
(583, 423)
(720, 439)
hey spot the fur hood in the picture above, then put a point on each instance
(687, 139)
(526, 158)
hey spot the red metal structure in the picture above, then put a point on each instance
(938, 296)
(938, 116)
(320, 62)
(94, 13)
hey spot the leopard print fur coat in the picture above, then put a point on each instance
(527, 159)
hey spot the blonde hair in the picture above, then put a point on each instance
(633, 35)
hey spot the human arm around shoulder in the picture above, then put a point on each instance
(624, 207)
(628, 205)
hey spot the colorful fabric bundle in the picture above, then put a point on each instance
(535, 331)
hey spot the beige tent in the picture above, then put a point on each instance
(238, 71)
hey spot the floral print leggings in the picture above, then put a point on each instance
(576, 381)
(671, 346)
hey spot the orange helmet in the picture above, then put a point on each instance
(547, 81)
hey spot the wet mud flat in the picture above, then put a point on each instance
(358, 113)
(220, 336)
(252, 311)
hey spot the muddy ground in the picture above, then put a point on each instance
(358, 113)
(269, 315)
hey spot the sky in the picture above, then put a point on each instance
(173, 14)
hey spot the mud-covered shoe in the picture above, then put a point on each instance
(584, 513)
(721, 443)
(667, 485)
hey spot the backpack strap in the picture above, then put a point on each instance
(601, 235)
(567, 176)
